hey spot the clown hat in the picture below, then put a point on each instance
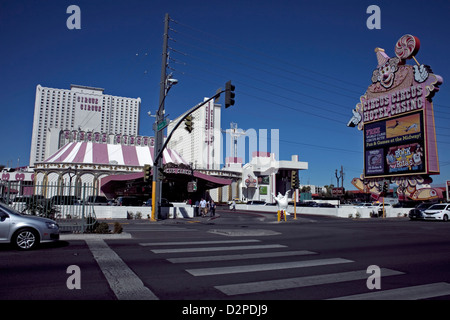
(381, 57)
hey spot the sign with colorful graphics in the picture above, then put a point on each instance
(396, 115)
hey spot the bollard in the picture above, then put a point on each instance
(281, 213)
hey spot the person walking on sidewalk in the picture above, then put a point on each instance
(213, 208)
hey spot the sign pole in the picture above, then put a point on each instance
(295, 204)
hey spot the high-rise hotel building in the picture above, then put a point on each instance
(81, 108)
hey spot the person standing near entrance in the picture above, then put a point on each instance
(203, 207)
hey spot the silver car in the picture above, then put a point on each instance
(23, 231)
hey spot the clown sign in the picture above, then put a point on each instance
(397, 118)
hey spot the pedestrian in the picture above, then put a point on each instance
(233, 205)
(203, 207)
(196, 213)
(213, 208)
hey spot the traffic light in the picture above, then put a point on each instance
(385, 187)
(229, 94)
(294, 180)
(147, 172)
(188, 123)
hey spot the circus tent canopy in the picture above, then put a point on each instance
(97, 153)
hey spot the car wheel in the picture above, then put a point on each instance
(26, 239)
(445, 218)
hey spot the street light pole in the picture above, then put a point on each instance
(157, 164)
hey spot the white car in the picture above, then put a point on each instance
(364, 205)
(440, 211)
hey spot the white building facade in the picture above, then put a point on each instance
(81, 108)
(202, 147)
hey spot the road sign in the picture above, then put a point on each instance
(162, 125)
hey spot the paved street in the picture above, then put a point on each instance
(239, 256)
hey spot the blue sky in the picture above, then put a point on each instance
(298, 66)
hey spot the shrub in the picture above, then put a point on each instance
(117, 227)
(102, 228)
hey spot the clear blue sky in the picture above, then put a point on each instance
(298, 66)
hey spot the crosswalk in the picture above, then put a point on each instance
(244, 257)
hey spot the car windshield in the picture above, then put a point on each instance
(438, 207)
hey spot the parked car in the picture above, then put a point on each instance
(20, 203)
(128, 201)
(364, 205)
(64, 200)
(97, 200)
(417, 212)
(25, 232)
(439, 211)
(256, 202)
(164, 203)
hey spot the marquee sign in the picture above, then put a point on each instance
(396, 116)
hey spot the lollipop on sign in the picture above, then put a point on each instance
(407, 47)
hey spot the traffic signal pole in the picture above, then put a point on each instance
(229, 92)
(157, 164)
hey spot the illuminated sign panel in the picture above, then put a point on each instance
(395, 146)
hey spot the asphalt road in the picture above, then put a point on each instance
(238, 257)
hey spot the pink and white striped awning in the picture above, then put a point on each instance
(116, 154)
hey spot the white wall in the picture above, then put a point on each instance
(341, 212)
(118, 212)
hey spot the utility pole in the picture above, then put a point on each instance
(156, 183)
(340, 176)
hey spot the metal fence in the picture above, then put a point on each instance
(69, 206)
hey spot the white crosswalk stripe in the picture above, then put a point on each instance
(241, 256)
(409, 293)
(299, 282)
(184, 243)
(157, 229)
(279, 251)
(265, 267)
(228, 248)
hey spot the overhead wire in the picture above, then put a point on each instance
(263, 81)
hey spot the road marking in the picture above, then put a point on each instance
(409, 293)
(265, 267)
(159, 229)
(241, 256)
(195, 242)
(299, 282)
(229, 248)
(125, 284)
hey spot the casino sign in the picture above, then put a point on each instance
(397, 118)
